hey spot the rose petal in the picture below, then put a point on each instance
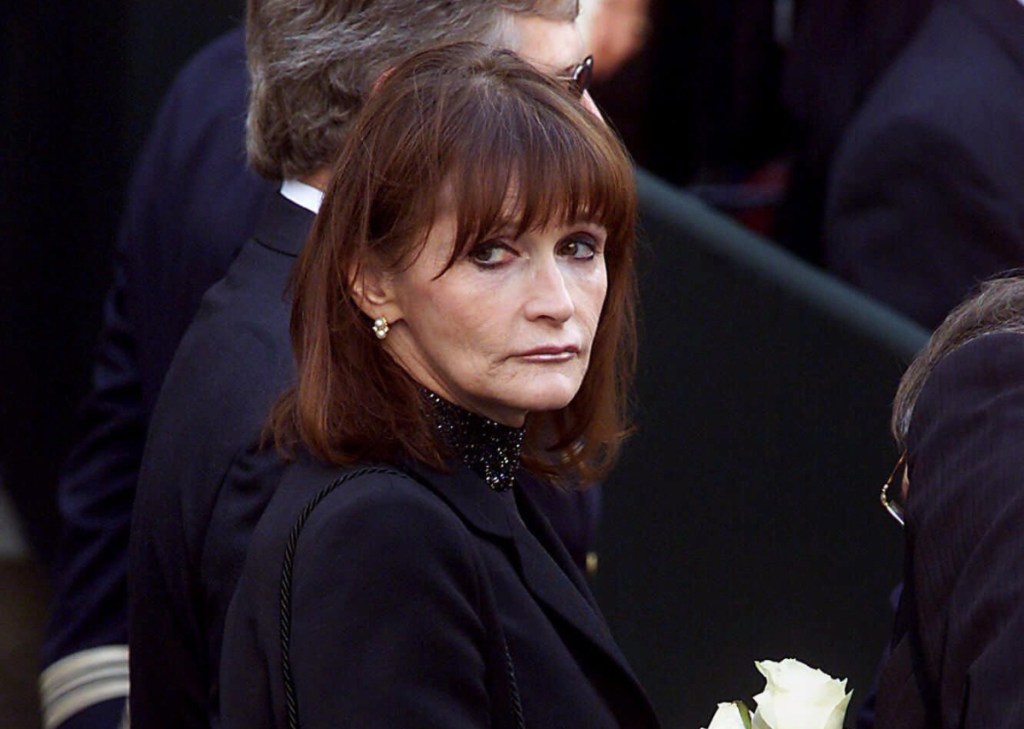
(797, 696)
(727, 717)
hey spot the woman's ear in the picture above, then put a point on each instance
(374, 293)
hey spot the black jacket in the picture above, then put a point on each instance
(204, 480)
(957, 656)
(406, 588)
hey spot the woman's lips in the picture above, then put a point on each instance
(548, 354)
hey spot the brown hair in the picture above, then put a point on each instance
(473, 125)
(996, 306)
(313, 62)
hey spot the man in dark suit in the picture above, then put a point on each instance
(206, 477)
(927, 192)
(956, 659)
(192, 202)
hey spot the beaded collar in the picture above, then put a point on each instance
(491, 450)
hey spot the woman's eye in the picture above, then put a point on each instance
(491, 253)
(580, 247)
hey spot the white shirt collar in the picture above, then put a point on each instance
(303, 195)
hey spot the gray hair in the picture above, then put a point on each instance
(312, 63)
(996, 306)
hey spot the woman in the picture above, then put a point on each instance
(463, 320)
(958, 417)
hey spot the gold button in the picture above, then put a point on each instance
(591, 564)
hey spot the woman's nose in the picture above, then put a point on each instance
(548, 295)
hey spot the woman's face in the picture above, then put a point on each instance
(508, 328)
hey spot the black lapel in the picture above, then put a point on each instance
(553, 579)
(543, 562)
(539, 524)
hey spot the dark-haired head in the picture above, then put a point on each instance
(465, 157)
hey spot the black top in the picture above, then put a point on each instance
(411, 590)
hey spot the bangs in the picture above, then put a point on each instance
(526, 168)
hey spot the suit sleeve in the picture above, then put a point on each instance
(386, 624)
(965, 512)
(915, 218)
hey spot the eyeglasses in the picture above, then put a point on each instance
(580, 76)
(895, 505)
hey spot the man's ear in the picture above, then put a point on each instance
(373, 291)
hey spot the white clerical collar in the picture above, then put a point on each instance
(303, 195)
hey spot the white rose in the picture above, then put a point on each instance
(728, 717)
(799, 697)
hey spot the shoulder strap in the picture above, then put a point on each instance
(291, 703)
(285, 595)
(514, 700)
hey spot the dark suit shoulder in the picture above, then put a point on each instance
(980, 376)
(970, 413)
(235, 358)
(934, 100)
(924, 195)
(936, 79)
(212, 83)
(252, 292)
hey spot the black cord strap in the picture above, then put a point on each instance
(517, 704)
(291, 702)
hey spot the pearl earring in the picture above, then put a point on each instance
(380, 327)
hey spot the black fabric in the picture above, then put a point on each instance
(927, 192)
(402, 589)
(903, 687)
(510, 708)
(964, 512)
(204, 478)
